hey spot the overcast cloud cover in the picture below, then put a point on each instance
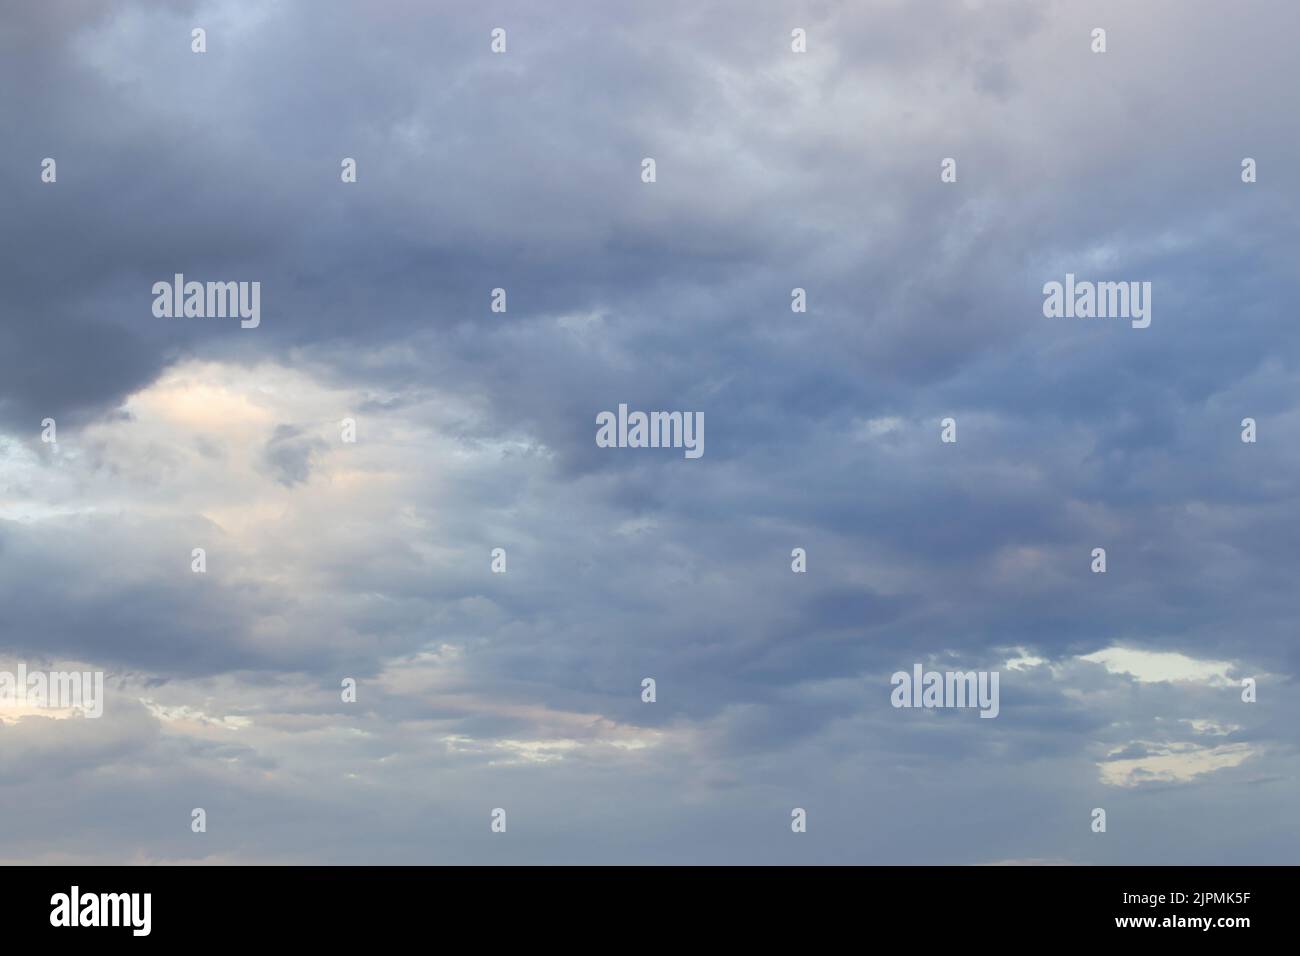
(476, 430)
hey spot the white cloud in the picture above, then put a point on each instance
(1161, 666)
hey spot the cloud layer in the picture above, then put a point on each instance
(329, 559)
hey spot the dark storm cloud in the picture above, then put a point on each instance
(289, 454)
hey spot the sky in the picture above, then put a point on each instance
(522, 170)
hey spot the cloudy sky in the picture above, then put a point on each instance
(475, 430)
